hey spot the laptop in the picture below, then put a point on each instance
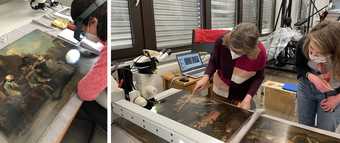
(191, 64)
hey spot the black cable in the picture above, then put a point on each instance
(278, 16)
(314, 5)
(134, 63)
(288, 20)
(299, 23)
(126, 75)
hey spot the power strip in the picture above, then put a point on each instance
(166, 93)
(159, 125)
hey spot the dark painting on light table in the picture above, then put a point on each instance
(34, 85)
(216, 119)
(267, 130)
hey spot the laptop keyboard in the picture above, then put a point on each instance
(196, 73)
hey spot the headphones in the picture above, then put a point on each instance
(79, 21)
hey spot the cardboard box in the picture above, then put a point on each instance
(279, 102)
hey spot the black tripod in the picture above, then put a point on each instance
(284, 57)
(309, 19)
(285, 14)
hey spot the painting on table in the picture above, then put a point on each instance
(266, 130)
(35, 82)
(219, 120)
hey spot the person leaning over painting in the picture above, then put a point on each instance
(94, 83)
(237, 66)
(318, 70)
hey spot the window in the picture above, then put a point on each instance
(223, 13)
(120, 25)
(159, 24)
(260, 12)
(174, 21)
(126, 30)
(249, 11)
(268, 14)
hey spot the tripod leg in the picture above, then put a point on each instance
(278, 16)
(313, 3)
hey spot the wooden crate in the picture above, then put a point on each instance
(279, 102)
(172, 80)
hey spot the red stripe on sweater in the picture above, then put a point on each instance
(253, 65)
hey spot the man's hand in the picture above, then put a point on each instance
(246, 102)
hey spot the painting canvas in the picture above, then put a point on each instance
(266, 130)
(34, 78)
(219, 120)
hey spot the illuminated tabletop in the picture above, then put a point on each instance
(180, 117)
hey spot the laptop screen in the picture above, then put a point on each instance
(189, 61)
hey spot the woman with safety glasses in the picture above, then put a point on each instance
(236, 66)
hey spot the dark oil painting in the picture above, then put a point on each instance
(266, 130)
(33, 81)
(219, 120)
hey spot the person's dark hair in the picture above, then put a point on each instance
(79, 6)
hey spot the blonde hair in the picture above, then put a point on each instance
(244, 37)
(326, 37)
